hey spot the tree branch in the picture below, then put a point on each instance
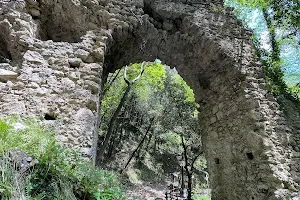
(111, 82)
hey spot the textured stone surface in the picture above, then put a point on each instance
(6, 75)
(62, 50)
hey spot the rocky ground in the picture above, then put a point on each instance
(147, 190)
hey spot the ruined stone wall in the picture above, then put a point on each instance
(61, 50)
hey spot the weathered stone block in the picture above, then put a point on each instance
(6, 75)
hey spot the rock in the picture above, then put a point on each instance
(86, 151)
(19, 126)
(75, 62)
(34, 12)
(98, 54)
(67, 84)
(34, 57)
(82, 54)
(167, 25)
(6, 75)
(6, 66)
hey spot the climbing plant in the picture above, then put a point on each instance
(279, 21)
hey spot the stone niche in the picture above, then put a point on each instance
(66, 49)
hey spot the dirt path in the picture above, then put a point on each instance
(147, 191)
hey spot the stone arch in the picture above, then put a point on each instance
(214, 54)
(251, 145)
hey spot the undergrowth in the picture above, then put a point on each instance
(57, 173)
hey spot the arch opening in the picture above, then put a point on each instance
(149, 129)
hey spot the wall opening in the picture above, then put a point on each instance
(50, 116)
(250, 156)
(206, 61)
(201, 64)
(151, 120)
(217, 161)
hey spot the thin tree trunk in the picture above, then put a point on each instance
(140, 144)
(112, 143)
(104, 92)
(189, 172)
(182, 177)
(189, 175)
(111, 82)
(116, 113)
(271, 28)
(149, 140)
(189, 186)
(112, 123)
(120, 138)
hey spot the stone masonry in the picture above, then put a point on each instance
(54, 55)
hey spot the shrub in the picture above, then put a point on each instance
(59, 173)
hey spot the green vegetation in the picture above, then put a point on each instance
(157, 124)
(55, 172)
(275, 25)
(202, 197)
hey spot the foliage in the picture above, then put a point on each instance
(60, 173)
(202, 197)
(152, 78)
(161, 94)
(285, 12)
(8, 184)
(276, 35)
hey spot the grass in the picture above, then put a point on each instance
(202, 197)
(58, 174)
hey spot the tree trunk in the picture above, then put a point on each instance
(182, 177)
(189, 186)
(111, 82)
(112, 143)
(116, 113)
(275, 47)
(149, 140)
(186, 168)
(140, 144)
(112, 123)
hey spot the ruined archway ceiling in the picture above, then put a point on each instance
(202, 40)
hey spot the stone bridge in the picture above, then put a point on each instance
(54, 55)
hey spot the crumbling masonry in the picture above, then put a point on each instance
(54, 55)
